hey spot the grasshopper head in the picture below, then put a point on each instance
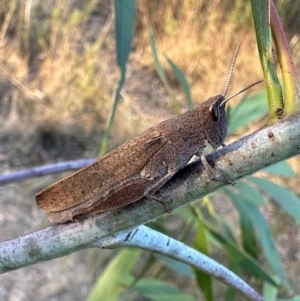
(213, 120)
(212, 113)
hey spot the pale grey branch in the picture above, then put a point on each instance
(44, 170)
(148, 239)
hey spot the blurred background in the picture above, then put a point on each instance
(58, 74)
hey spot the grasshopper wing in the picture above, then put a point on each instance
(100, 176)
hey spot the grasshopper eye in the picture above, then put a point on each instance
(214, 111)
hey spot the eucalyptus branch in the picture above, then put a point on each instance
(243, 157)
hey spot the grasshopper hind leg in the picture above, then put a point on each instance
(161, 168)
(125, 192)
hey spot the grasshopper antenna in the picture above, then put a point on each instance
(231, 69)
(243, 90)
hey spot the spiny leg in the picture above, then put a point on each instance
(211, 173)
(161, 168)
(157, 185)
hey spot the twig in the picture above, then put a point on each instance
(44, 170)
(148, 239)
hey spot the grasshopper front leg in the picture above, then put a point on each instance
(211, 174)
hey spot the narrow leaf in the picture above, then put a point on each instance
(269, 291)
(267, 242)
(250, 213)
(158, 290)
(230, 295)
(183, 82)
(295, 298)
(125, 15)
(202, 245)
(287, 66)
(241, 258)
(261, 18)
(162, 75)
(284, 197)
(110, 285)
(250, 193)
(247, 228)
(280, 169)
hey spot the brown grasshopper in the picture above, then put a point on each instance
(141, 166)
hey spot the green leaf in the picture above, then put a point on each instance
(250, 193)
(260, 11)
(161, 73)
(295, 298)
(284, 56)
(110, 283)
(251, 214)
(184, 213)
(247, 228)
(202, 245)
(183, 82)
(250, 109)
(241, 258)
(284, 197)
(227, 230)
(281, 169)
(158, 290)
(125, 15)
(269, 291)
(176, 266)
(230, 295)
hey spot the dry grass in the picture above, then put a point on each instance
(59, 78)
(58, 62)
(58, 74)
